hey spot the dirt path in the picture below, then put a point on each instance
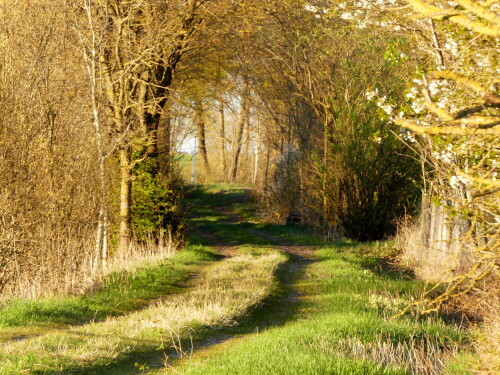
(298, 253)
(282, 306)
(300, 258)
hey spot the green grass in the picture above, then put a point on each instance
(200, 202)
(141, 332)
(119, 293)
(342, 325)
(217, 195)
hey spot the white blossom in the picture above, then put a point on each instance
(456, 182)
(418, 106)
(387, 108)
(434, 87)
(347, 16)
(311, 8)
(451, 45)
(370, 94)
(408, 137)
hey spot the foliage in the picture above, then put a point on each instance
(155, 208)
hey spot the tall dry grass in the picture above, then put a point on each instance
(419, 356)
(70, 266)
(438, 262)
(436, 257)
(150, 250)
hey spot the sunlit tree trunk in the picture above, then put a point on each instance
(125, 198)
(91, 59)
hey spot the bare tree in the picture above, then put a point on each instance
(222, 136)
(47, 159)
(91, 41)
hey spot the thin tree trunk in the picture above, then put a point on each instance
(200, 130)
(245, 115)
(266, 172)
(223, 139)
(325, 176)
(165, 146)
(102, 245)
(90, 56)
(98, 243)
(257, 155)
(125, 199)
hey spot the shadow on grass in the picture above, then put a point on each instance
(281, 307)
(137, 362)
(213, 229)
(199, 197)
(385, 269)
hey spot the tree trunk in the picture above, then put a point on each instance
(324, 191)
(245, 116)
(125, 198)
(200, 130)
(90, 56)
(165, 147)
(257, 155)
(266, 171)
(223, 139)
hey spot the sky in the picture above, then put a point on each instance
(188, 145)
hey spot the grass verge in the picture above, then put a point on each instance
(117, 294)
